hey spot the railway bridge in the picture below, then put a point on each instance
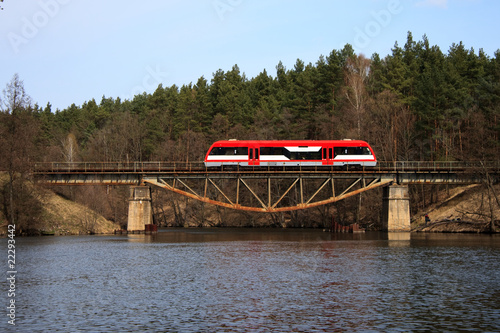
(267, 189)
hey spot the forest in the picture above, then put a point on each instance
(417, 103)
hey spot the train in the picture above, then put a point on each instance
(268, 153)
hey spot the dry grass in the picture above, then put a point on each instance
(467, 209)
(66, 217)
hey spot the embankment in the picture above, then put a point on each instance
(467, 209)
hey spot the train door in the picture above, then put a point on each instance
(327, 156)
(253, 156)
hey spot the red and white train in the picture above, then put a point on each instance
(290, 153)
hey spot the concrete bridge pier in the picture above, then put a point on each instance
(139, 209)
(396, 209)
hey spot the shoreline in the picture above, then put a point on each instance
(458, 226)
(445, 226)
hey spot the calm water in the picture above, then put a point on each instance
(249, 280)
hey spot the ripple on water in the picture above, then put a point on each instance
(304, 281)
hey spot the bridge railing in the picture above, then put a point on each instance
(138, 167)
(162, 166)
(439, 166)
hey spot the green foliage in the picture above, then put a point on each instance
(416, 103)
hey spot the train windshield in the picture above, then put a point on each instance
(352, 151)
(229, 151)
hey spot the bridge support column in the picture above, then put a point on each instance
(139, 209)
(396, 208)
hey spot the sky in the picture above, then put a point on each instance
(72, 51)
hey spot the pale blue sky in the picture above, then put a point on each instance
(70, 51)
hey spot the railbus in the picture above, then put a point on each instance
(290, 153)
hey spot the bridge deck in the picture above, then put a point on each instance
(122, 173)
(196, 167)
(263, 189)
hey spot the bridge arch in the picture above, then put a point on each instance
(268, 196)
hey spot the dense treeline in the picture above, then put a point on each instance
(417, 103)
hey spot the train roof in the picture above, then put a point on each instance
(345, 142)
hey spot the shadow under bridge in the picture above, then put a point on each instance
(269, 191)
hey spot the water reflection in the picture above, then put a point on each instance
(399, 238)
(250, 280)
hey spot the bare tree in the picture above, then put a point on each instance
(70, 148)
(18, 132)
(356, 75)
(488, 181)
(15, 97)
(392, 127)
(120, 140)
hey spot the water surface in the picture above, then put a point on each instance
(257, 280)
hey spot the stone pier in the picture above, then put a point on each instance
(139, 209)
(396, 209)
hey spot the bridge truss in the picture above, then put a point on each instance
(269, 192)
(263, 189)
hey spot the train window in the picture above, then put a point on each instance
(315, 155)
(272, 151)
(330, 152)
(295, 155)
(266, 150)
(241, 151)
(352, 151)
(218, 151)
(229, 151)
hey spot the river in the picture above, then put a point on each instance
(256, 280)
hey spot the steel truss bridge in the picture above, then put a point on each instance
(264, 189)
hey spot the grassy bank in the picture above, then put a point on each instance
(467, 209)
(55, 215)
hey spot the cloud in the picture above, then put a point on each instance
(433, 3)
